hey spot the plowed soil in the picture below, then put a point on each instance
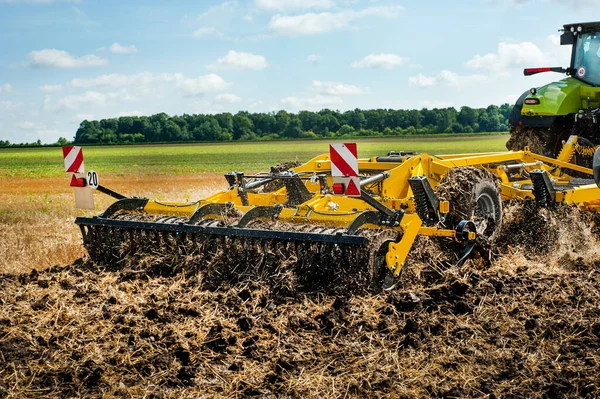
(520, 321)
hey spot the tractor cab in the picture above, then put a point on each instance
(585, 58)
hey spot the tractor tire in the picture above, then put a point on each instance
(474, 195)
(540, 140)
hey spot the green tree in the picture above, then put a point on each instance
(171, 132)
(467, 116)
(242, 126)
(294, 128)
(345, 130)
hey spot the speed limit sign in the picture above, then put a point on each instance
(92, 179)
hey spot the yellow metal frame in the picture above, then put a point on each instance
(323, 208)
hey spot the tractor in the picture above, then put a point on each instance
(544, 117)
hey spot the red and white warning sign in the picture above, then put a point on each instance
(73, 156)
(344, 159)
(344, 169)
(84, 192)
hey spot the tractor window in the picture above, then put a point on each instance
(587, 58)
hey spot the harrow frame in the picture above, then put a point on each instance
(398, 193)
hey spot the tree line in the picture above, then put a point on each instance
(326, 123)
(245, 126)
(38, 143)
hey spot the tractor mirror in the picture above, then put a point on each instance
(596, 167)
(567, 38)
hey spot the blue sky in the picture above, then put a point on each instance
(63, 61)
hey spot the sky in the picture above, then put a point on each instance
(64, 61)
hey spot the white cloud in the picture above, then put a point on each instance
(90, 99)
(119, 49)
(204, 106)
(520, 3)
(316, 102)
(130, 113)
(5, 88)
(240, 61)
(444, 79)
(384, 61)
(255, 104)
(209, 31)
(227, 98)
(317, 23)
(38, 1)
(335, 88)
(113, 80)
(102, 48)
(201, 85)
(52, 58)
(521, 55)
(508, 56)
(29, 125)
(313, 59)
(9, 105)
(51, 88)
(146, 83)
(321, 95)
(226, 6)
(282, 5)
(84, 117)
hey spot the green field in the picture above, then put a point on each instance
(196, 158)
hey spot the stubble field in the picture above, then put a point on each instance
(523, 324)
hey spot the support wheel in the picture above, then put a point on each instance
(473, 195)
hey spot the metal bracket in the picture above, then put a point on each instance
(208, 209)
(108, 191)
(125, 204)
(366, 217)
(231, 178)
(241, 185)
(267, 212)
(388, 217)
(323, 184)
(297, 193)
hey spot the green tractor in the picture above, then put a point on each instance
(544, 117)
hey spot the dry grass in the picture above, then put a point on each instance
(36, 215)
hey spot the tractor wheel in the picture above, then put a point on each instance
(536, 138)
(541, 140)
(473, 195)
